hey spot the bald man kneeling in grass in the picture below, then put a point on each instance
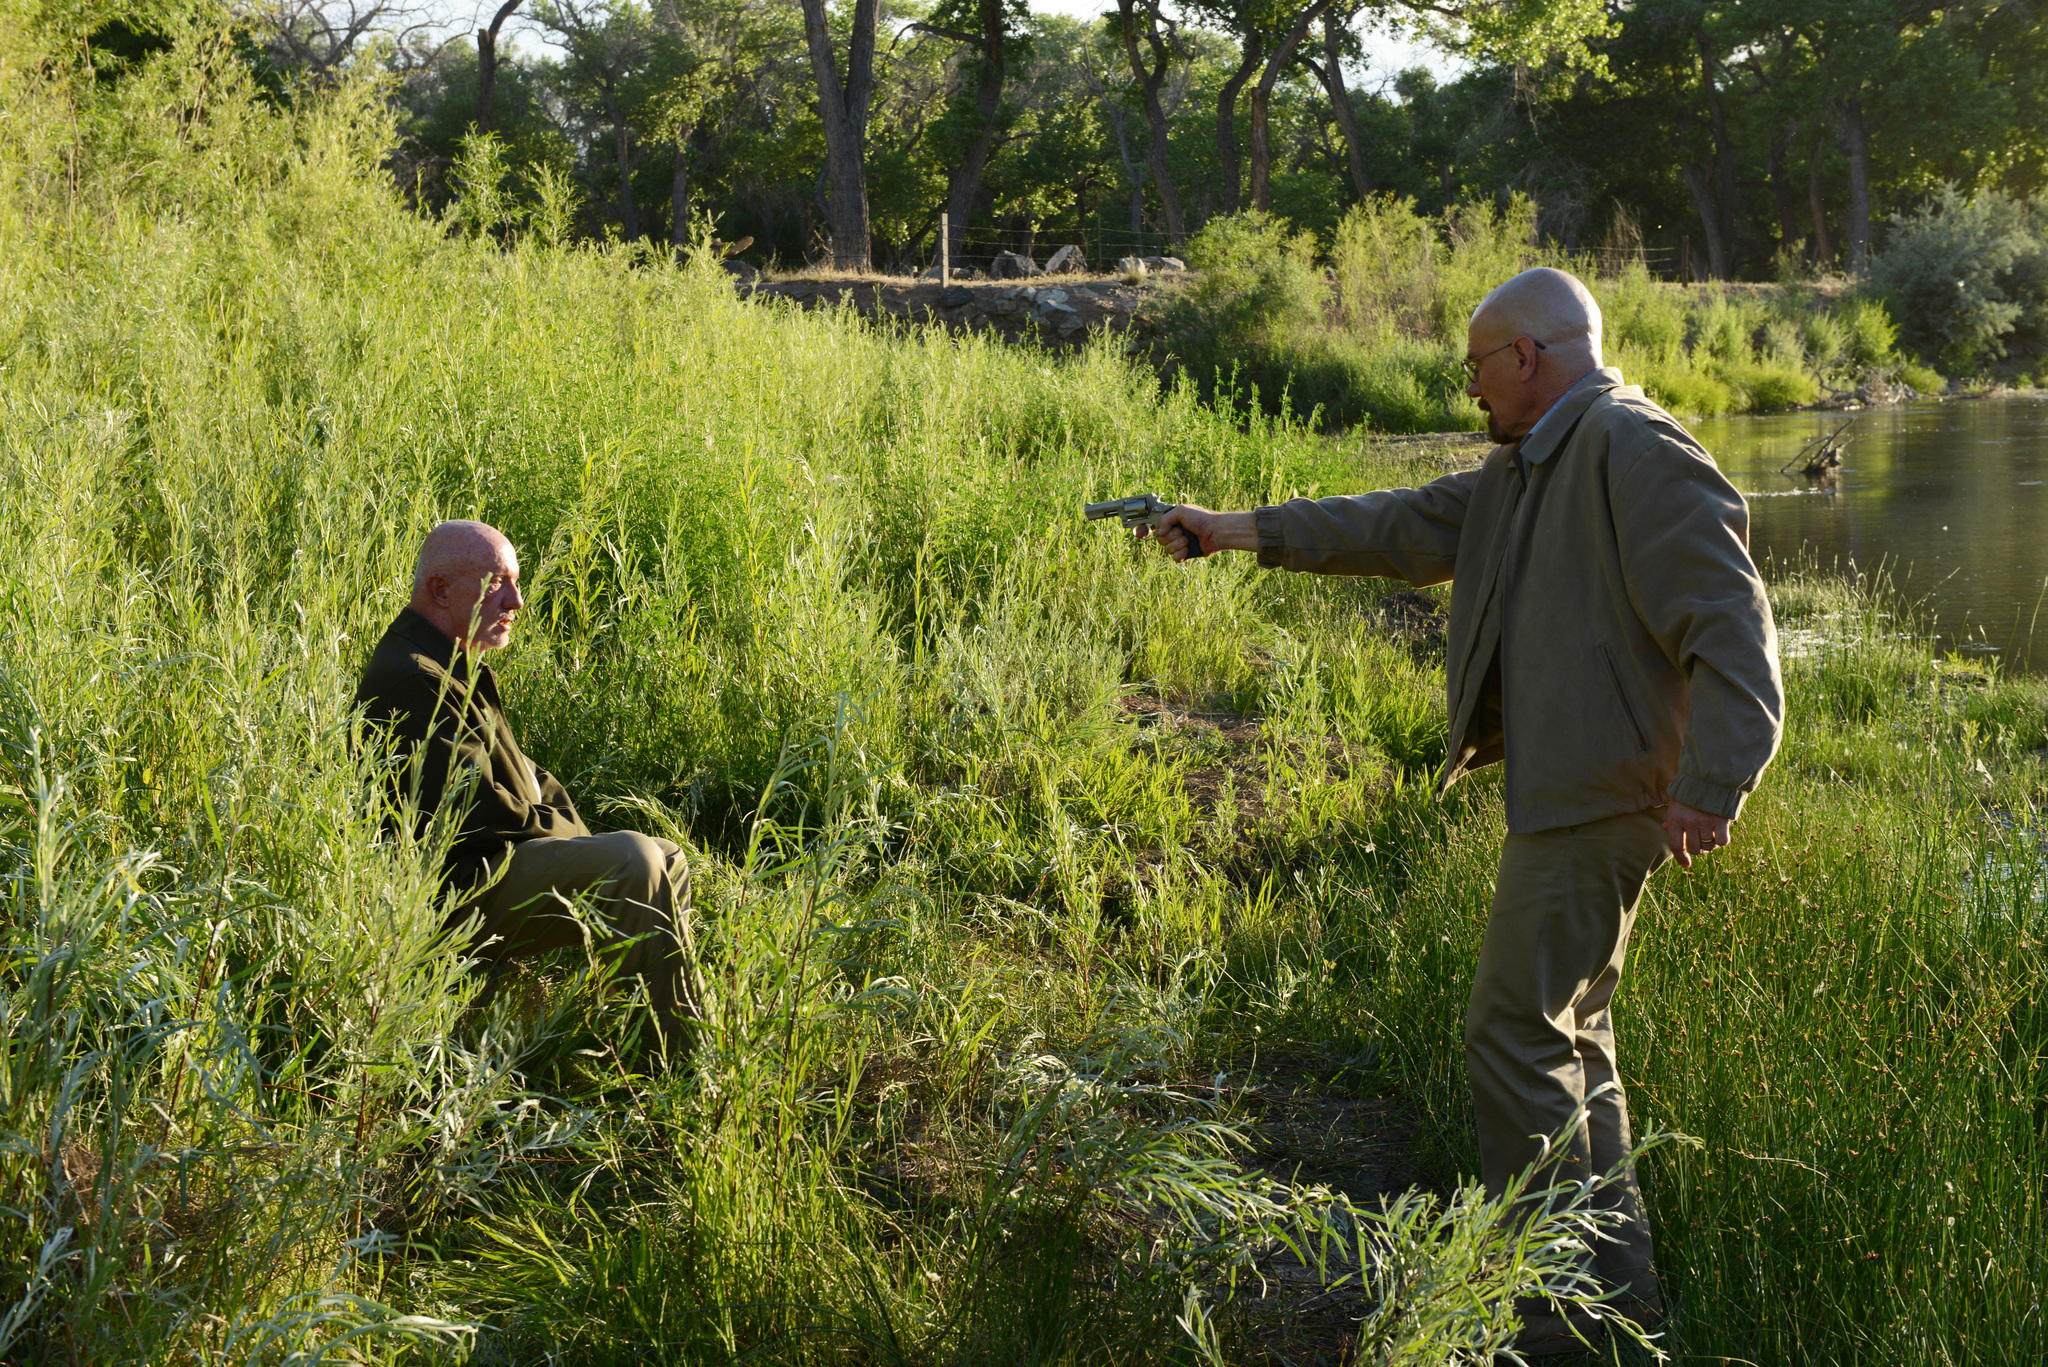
(1610, 642)
(521, 848)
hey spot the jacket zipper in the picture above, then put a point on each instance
(1621, 695)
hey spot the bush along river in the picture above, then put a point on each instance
(1949, 500)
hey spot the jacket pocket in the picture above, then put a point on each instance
(1621, 696)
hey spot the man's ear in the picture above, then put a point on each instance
(437, 590)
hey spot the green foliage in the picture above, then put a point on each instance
(1255, 280)
(1014, 847)
(1870, 338)
(1253, 329)
(1641, 315)
(1769, 386)
(1680, 388)
(1922, 379)
(1943, 274)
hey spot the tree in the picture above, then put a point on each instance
(714, 60)
(1277, 62)
(1330, 74)
(1251, 52)
(608, 43)
(1162, 39)
(994, 40)
(843, 110)
(487, 63)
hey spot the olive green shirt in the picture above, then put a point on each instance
(443, 707)
(1609, 635)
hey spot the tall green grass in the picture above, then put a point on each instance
(1372, 339)
(991, 907)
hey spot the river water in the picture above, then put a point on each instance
(1950, 499)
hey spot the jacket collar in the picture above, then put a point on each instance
(1551, 428)
(428, 637)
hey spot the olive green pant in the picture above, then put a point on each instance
(635, 890)
(1539, 1034)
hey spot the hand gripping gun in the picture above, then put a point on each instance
(1140, 510)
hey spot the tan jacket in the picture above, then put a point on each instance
(1638, 661)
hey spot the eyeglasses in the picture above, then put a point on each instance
(1471, 363)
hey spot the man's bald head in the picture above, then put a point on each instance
(466, 582)
(1548, 305)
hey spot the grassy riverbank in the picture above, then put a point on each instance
(1017, 847)
(1365, 331)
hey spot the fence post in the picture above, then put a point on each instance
(945, 253)
(1685, 258)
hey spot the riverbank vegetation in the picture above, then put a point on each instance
(1373, 338)
(1035, 873)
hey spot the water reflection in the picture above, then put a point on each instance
(1951, 498)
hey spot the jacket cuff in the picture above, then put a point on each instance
(1708, 797)
(1271, 539)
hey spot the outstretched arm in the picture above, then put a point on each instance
(1409, 534)
(1212, 531)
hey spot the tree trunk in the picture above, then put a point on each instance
(1721, 244)
(629, 214)
(487, 64)
(1701, 184)
(679, 198)
(1786, 203)
(1262, 100)
(1123, 150)
(1331, 74)
(1823, 250)
(1226, 120)
(1150, 78)
(988, 101)
(843, 110)
(1855, 136)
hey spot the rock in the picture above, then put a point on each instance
(1011, 266)
(1166, 264)
(1131, 265)
(740, 271)
(954, 296)
(1067, 259)
(931, 274)
(967, 273)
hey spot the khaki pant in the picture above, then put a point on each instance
(1539, 1034)
(639, 888)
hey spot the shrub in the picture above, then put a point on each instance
(2025, 282)
(1772, 386)
(1487, 245)
(1384, 256)
(1941, 275)
(1822, 340)
(1724, 327)
(1251, 329)
(1923, 379)
(1255, 278)
(1678, 387)
(1869, 336)
(1785, 341)
(1641, 314)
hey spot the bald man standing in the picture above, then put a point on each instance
(427, 682)
(1611, 643)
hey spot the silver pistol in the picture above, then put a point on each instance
(1139, 510)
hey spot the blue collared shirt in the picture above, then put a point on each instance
(1537, 445)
